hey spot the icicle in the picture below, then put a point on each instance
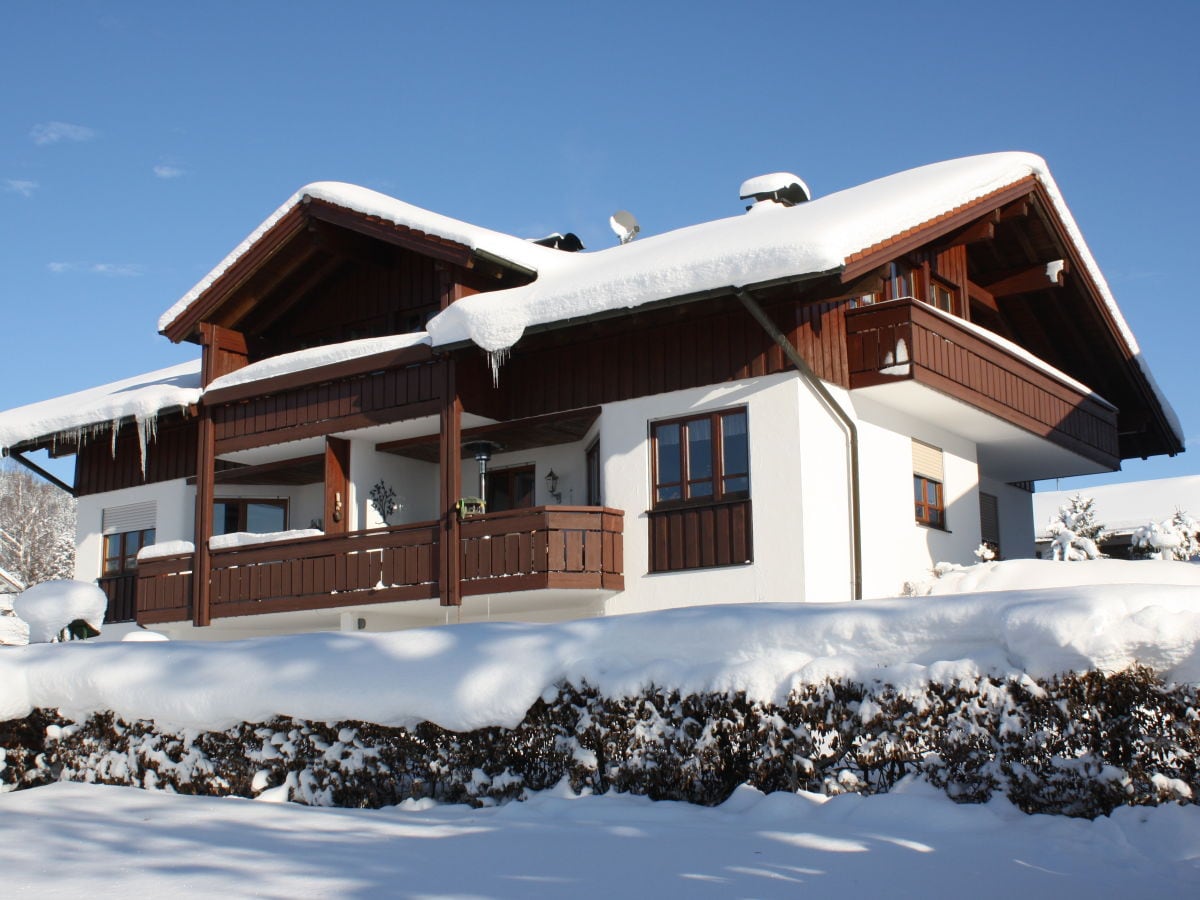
(115, 425)
(497, 358)
(147, 430)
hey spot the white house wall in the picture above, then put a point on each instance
(174, 519)
(897, 548)
(773, 414)
(1015, 507)
(414, 482)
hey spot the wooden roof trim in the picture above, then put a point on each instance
(1081, 273)
(389, 359)
(241, 271)
(910, 239)
(400, 235)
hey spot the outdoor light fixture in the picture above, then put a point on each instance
(552, 486)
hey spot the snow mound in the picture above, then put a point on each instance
(50, 607)
(471, 676)
(1024, 574)
(165, 548)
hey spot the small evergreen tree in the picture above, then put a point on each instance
(1173, 538)
(1075, 533)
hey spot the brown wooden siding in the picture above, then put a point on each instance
(544, 547)
(547, 547)
(121, 591)
(701, 537)
(164, 589)
(170, 454)
(647, 354)
(314, 409)
(392, 294)
(959, 362)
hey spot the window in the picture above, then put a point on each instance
(511, 488)
(901, 281)
(126, 529)
(592, 461)
(701, 459)
(121, 550)
(233, 514)
(928, 478)
(942, 296)
(989, 522)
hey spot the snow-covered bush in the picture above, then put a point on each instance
(1074, 532)
(1077, 744)
(1173, 538)
(61, 610)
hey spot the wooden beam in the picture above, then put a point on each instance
(983, 296)
(1034, 278)
(1016, 210)
(976, 232)
(206, 457)
(417, 241)
(38, 470)
(450, 471)
(337, 485)
(224, 351)
(265, 317)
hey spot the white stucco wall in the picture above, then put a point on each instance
(1016, 517)
(174, 502)
(796, 555)
(414, 482)
(897, 548)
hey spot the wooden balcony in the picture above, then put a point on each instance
(121, 591)
(908, 341)
(518, 550)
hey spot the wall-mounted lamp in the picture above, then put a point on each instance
(552, 486)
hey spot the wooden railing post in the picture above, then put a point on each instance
(450, 462)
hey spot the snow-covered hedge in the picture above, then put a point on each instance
(1080, 745)
(1064, 695)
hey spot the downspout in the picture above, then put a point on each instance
(815, 383)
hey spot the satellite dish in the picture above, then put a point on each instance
(625, 225)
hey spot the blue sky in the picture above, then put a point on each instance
(140, 142)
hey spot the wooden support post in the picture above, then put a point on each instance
(450, 470)
(205, 479)
(337, 485)
(224, 351)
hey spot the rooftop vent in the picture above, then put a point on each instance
(783, 188)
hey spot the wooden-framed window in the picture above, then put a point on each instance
(511, 488)
(592, 465)
(901, 280)
(943, 296)
(701, 459)
(928, 480)
(253, 515)
(121, 550)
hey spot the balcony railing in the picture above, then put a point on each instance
(908, 340)
(518, 550)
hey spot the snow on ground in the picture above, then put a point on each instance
(471, 676)
(72, 840)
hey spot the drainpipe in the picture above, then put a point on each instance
(815, 383)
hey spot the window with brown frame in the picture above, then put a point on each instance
(121, 550)
(928, 478)
(701, 459)
(592, 463)
(511, 488)
(929, 504)
(234, 514)
(700, 516)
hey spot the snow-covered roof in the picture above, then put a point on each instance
(518, 251)
(142, 398)
(808, 239)
(315, 357)
(1124, 507)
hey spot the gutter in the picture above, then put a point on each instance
(815, 383)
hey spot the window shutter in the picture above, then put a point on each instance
(134, 517)
(989, 519)
(927, 461)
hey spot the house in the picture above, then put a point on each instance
(1121, 509)
(400, 419)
